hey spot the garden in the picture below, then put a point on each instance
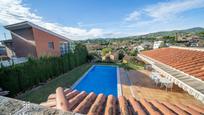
(22, 77)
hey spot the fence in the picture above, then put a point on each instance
(10, 62)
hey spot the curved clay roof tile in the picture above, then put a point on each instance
(93, 104)
(110, 108)
(84, 106)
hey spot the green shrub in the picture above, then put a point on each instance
(18, 78)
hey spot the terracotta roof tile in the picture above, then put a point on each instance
(188, 61)
(188, 109)
(92, 104)
(49, 103)
(149, 107)
(162, 108)
(53, 96)
(175, 108)
(197, 108)
(124, 108)
(72, 103)
(72, 94)
(110, 108)
(61, 101)
(136, 106)
(84, 106)
(98, 105)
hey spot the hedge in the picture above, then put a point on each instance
(18, 78)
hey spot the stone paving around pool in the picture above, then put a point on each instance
(139, 85)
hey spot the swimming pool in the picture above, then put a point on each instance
(99, 79)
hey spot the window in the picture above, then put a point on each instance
(51, 45)
(64, 47)
(2, 50)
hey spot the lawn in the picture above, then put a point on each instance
(66, 80)
(135, 66)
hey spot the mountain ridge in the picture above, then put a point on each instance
(194, 30)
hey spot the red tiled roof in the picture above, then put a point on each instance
(92, 104)
(188, 61)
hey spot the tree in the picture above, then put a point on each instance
(120, 55)
(91, 56)
(105, 51)
(81, 53)
(133, 53)
(201, 34)
(169, 39)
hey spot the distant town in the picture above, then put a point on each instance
(117, 49)
(101, 49)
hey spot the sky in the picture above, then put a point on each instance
(88, 19)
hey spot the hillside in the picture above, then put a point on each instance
(173, 32)
(195, 30)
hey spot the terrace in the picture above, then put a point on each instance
(139, 85)
(183, 66)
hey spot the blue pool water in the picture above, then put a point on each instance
(100, 79)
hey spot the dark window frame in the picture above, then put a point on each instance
(51, 45)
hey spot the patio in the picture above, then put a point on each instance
(140, 85)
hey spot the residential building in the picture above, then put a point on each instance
(193, 42)
(185, 37)
(114, 56)
(126, 59)
(29, 39)
(107, 57)
(147, 45)
(139, 48)
(111, 56)
(181, 65)
(201, 42)
(157, 44)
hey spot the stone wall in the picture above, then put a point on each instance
(9, 106)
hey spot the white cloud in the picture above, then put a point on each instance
(163, 11)
(134, 16)
(14, 11)
(164, 16)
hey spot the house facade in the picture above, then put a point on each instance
(32, 40)
(157, 44)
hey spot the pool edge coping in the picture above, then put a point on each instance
(78, 81)
(119, 86)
